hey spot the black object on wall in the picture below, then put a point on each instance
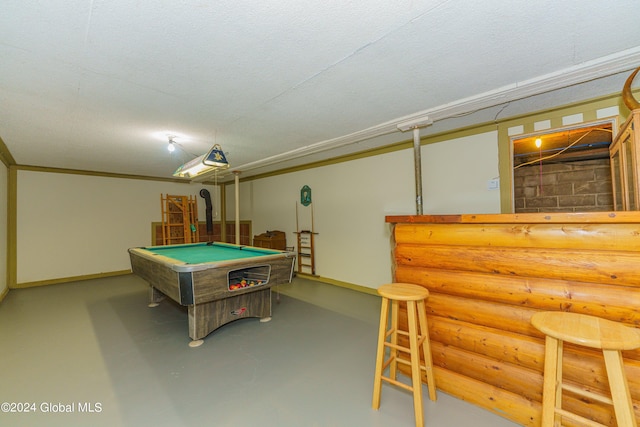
(204, 193)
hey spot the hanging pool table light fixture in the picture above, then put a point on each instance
(208, 162)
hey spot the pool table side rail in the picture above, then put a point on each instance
(180, 266)
(211, 283)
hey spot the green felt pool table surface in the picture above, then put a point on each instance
(197, 253)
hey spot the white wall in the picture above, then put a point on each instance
(73, 225)
(351, 200)
(455, 175)
(3, 228)
(245, 202)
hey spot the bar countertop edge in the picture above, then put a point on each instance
(528, 218)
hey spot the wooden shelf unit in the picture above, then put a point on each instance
(179, 219)
(625, 165)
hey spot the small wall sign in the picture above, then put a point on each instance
(305, 195)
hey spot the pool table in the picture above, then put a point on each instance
(218, 282)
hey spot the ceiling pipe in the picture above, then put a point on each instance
(417, 159)
(417, 156)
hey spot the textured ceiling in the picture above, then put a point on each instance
(98, 85)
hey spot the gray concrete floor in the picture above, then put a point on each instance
(93, 353)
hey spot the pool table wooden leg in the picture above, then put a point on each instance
(196, 343)
(206, 317)
(155, 297)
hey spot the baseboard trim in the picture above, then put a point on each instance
(70, 279)
(352, 286)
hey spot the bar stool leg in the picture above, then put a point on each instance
(382, 332)
(393, 351)
(622, 405)
(426, 349)
(416, 381)
(557, 418)
(552, 390)
(597, 333)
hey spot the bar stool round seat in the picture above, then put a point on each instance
(589, 331)
(414, 296)
(403, 292)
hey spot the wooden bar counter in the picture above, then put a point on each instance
(488, 274)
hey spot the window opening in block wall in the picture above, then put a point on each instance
(567, 171)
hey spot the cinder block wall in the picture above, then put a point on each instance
(583, 186)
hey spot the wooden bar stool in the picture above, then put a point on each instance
(610, 337)
(418, 334)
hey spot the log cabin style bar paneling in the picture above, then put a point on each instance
(488, 274)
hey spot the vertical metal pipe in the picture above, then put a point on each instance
(223, 212)
(417, 158)
(237, 182)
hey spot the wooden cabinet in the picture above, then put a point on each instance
(625, 170)
(271, 240)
